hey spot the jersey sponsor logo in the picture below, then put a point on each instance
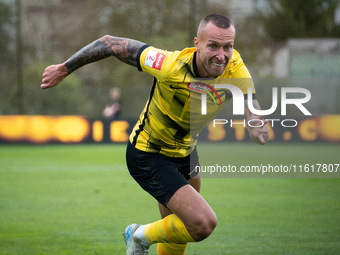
(154, 59)
(204, 88)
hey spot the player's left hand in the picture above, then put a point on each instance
(258, 131)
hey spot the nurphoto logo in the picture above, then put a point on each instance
(238, 103)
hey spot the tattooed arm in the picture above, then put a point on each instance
(124, 49)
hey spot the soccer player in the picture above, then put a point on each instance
(161, 153)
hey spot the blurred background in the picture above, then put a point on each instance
(64, 199)
(282, 42)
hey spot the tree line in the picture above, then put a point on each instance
(165, 24)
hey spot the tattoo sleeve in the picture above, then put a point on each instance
(124, 49)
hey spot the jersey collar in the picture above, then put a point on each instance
(195, 66)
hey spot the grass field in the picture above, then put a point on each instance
(77, 199)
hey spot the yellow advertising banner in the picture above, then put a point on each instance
(80, 129)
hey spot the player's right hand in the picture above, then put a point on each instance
(53, 75)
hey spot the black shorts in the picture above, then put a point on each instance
(159, 175)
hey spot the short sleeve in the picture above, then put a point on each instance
(241, 75)
(159, 63)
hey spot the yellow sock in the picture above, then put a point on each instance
(168, 230)
(171, 249)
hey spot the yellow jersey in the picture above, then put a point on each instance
(172, 117)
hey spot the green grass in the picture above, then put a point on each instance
(77, 199)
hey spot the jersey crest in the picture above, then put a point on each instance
(205, 88)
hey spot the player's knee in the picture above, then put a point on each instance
(204, 227)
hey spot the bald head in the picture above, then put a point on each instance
(214, 45)
(218, 20)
